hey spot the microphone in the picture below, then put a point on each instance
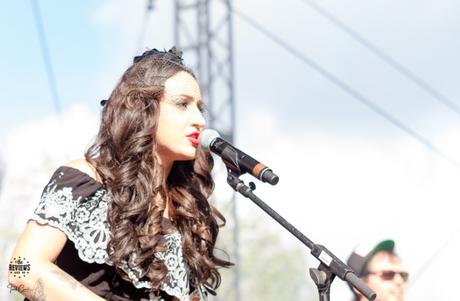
(236, 160)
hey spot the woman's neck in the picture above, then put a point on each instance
(164, 164)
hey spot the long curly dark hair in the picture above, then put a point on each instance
(123, 155)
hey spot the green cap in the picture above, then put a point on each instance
(361, 255)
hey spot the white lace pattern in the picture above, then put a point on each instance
(84, 221)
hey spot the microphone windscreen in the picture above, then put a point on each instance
(207, 137)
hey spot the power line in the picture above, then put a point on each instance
(435, 255)
(145, 22)
(46, 56)
(367, 102)
(385, 57)
(376, 109)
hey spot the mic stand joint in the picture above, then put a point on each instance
(323, 278)
(330, 266)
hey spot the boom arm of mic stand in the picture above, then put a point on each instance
(328, 260)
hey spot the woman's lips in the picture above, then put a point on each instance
(194, 138)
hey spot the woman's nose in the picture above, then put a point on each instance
(197, 118)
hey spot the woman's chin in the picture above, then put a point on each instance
(187, 156)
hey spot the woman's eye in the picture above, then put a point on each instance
(182, 104)
(202, 108)
(186, 105)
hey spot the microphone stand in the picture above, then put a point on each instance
(329, 267)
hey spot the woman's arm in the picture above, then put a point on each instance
(40, 245)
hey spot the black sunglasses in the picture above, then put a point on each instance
(390, 275)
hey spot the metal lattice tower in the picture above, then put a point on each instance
(208, 45)
(203, 31)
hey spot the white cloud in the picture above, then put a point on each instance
(340, 191)
(32, 152)
(125, 21)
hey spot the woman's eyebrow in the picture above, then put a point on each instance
(189, 97)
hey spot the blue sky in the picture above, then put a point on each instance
(25, 82)
(83, 39)
(78, 49)
(334, 155)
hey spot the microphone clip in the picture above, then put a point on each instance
(237, 184)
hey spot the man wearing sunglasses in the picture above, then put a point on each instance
(380, 267)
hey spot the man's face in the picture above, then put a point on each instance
(387, 285)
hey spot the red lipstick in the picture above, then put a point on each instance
(193, 137)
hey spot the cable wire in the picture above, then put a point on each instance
(410, 75)
(379, 111)
(46, 56)
(145, 22)
(433, 257)
(368, 103)
(385, 57)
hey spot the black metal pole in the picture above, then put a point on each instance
(330, 264)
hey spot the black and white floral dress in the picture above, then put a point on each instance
(77, 205)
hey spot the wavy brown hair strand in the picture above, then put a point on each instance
(123, 155)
